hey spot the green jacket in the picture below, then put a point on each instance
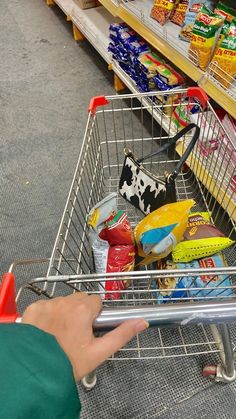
(36, 377)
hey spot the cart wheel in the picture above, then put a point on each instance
(210, 371)
(89, 381)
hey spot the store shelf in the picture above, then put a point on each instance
(165, 39)
(111, 6)
(163, 120)
(216, 188)
(94, 25)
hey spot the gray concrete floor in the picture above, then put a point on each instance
(46, 81)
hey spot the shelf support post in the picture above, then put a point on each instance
(118, 84)
(78, 36)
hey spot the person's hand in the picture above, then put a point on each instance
(70, 320)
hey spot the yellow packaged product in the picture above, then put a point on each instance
(204, 37)
(201, 239)
(158, 233)
(224, 60)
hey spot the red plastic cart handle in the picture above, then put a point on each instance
(8, 311)
(198, 93)
(97, 101)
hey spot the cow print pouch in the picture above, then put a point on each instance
(145, 190)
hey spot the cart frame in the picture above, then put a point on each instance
(116, 122)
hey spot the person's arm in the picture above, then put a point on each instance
(36, 376)
(42, 359)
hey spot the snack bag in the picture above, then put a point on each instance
(117, 230)
(228, 14)
(194, 7)
(99, 214)
(162, 9)
(179, 12)
(170, 289)
(113, 251)
(225, 57)
(201, 239)
(204, 37)
(120, 259)
(158, 233)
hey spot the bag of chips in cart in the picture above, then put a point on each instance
(114, 251)
(172, 289)
(201, 239)
(158, 232)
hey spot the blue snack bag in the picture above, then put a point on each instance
(208, 286)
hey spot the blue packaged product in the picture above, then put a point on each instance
(161, 85)
(117, 27)
(137, 47)
(194, 287)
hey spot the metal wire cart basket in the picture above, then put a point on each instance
(187, 326)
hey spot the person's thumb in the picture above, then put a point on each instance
(110, 343)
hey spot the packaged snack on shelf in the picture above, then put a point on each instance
(201, 239)
(204, 37)
(194, 7)
(194, 287)
(224, 60)
(137, 47)
(118, 27)
(179, 12)
(228, 14)
(117, 230)
(162, 10)
(158, 233)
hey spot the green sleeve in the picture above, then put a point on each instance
(36, 377)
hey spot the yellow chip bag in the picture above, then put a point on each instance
(201, 239)
(224, 60)
(158, 232)
(204, 37)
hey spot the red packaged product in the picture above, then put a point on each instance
(117, 230)
(120, 259)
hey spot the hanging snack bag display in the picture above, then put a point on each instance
(179, 12)
(224, 60)
(205, 35)
(162, 9)
(194, 7)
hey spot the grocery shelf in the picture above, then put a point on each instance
(111, 6)
(165, 39)
(163, 120)
(94, 25)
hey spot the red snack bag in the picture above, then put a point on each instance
(117, 230)
(120, 259)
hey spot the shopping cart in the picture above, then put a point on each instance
(188, 326)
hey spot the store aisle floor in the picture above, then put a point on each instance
(46, 81)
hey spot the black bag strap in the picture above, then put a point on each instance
(173, 141)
